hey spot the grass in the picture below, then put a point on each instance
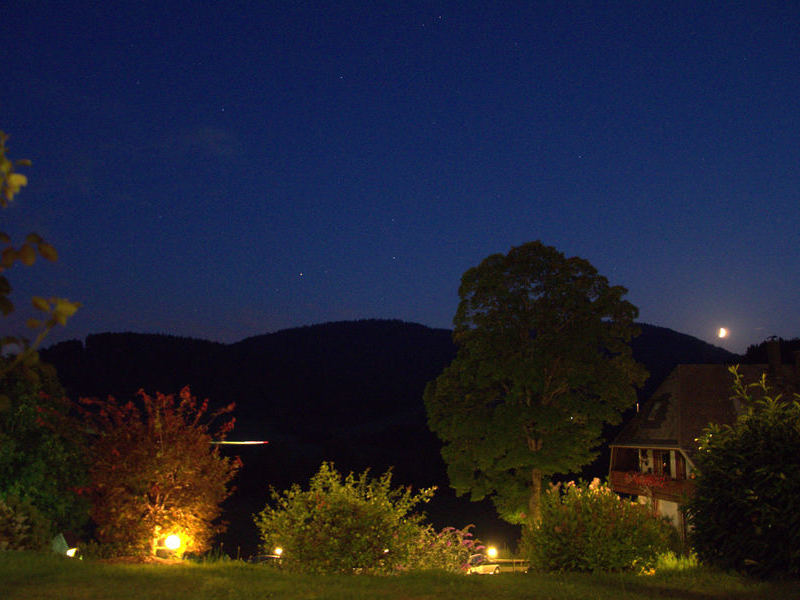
(28, 576)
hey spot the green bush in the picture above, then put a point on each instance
(22, 526)
(746, 508)
(446, 550)
(41, 460)
(590, 528)
(343, 524)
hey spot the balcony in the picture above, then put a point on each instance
(643, 484)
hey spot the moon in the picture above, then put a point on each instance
(722, 333)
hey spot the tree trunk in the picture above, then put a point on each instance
(154, 541)
(535, 502)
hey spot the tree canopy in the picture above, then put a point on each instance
(153, 471)
(543, 363)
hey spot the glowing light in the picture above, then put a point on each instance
(491, 552)
(243, 443)
(278, 551)
(722, 333)
(72, 552)
(173, 542)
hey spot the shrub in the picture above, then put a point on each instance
(447, 550)
(22, 527)
(154, 472)
(590, 528)
(744, 511)
(39, 461)
(343, 524)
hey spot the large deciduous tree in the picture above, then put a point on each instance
(154, 471)
(543, 363)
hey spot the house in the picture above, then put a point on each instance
(653, 455)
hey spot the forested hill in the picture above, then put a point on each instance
(298, 380)
(350, 392)
(364, 369)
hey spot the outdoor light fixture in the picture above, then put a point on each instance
(491, 552)
(278, 551)
(72, 552)
(173, 542)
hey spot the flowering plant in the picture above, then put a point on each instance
(449, 549)
(646, 480)
(587, 527)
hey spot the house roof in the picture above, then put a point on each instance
(691, 397)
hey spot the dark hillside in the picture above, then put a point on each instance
(120, 364)
(661, 349)
(758, 354)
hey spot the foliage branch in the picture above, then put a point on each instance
(54, 311)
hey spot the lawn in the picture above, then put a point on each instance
(26, 576)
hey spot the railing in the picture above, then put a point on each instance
(642, 484)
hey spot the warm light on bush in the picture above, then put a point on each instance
(590, 528)
(173, 542)
(342, 523)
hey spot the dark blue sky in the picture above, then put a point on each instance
(221, 170)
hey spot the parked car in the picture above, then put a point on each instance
(480, 564)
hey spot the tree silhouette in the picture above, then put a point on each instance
(543, 363)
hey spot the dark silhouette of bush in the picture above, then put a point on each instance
(744, 511)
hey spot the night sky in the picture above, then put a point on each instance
(223, 170)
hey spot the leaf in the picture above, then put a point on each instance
(6, 306)
(41, 304)
(10, 340)
(64, 309)
(48, 252)
(8, 256)
(27, 255)
(16, 181)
